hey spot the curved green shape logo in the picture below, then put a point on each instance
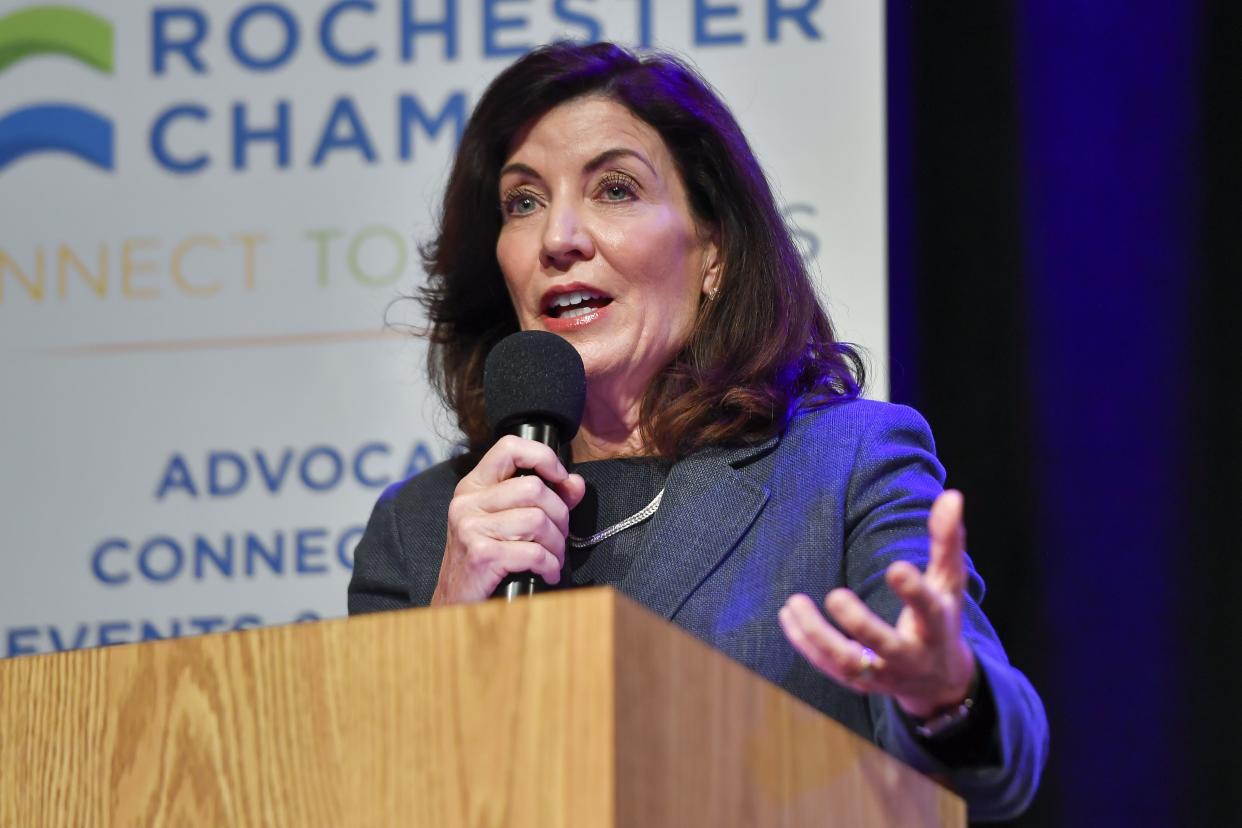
(64, 30)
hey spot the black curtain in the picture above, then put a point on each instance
(1064, 221)
(1210, 614)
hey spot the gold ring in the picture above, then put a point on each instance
(866, 663)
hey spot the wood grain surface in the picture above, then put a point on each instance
(573, 709)
(702, 741)
(488, 715)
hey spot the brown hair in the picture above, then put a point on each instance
(757, 353)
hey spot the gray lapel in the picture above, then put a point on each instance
(708, 506)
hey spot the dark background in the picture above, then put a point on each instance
(1064, 218)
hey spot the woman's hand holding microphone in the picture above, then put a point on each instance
(499, 523)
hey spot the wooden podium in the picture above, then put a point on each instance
(575, 709)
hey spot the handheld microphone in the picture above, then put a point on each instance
(534, 386)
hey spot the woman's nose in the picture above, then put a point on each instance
(565, 237)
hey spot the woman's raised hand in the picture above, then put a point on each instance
(499, 523)
(922, 662)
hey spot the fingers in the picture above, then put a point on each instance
(947, 566)
(571, 490)
(512, 454)
(921, 675)
(481, 559)
(495, 529)
(925, 603)
(509, 454)
(520, 492)
(522, 556)
(529, 524)
(826, 648)
(861, 624)
(922, 660)
(535, 557)
(501, 521)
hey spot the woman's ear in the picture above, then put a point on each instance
(713, 263)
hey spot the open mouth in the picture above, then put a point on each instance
(576, 303)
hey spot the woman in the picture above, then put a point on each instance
(725, 468)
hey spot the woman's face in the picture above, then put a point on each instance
(599, 244)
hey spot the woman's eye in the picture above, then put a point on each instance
(616, 189)
(520, 205)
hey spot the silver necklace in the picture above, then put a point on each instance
(633, 520)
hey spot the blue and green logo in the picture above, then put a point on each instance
(56, 127)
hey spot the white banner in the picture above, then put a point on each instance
(207, 213)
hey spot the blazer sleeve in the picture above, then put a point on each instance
(380, 580)
(895, 478)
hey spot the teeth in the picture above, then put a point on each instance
(576, 297)
(583, 311)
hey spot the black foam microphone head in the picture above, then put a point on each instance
(534, 376)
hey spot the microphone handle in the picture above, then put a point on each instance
(525, 584)
(541, 431)
(520, 585)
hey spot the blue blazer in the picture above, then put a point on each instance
(844, 492)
